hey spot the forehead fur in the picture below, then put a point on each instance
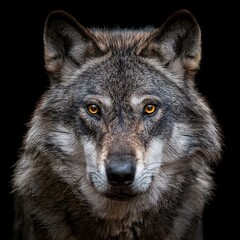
(121, 39)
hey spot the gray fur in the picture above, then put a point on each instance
(60, 182)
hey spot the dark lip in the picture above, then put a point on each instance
(121, 196)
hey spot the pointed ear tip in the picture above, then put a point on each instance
(55, 18)
(57, 15)
(184, 13)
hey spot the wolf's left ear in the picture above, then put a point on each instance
(177, 44)
(66, 44)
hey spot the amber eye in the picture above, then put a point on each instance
(93, 109)
(150, 109)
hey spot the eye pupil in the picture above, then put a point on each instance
(93, 109)
(150, 109)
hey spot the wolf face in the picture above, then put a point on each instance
(121, 132)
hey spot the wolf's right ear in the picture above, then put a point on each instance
(67, 44)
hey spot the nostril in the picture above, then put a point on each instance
(129, 178)
(113, 178)
(120, 172)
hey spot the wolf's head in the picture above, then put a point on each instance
(122, 117)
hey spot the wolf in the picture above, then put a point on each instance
(122, 143)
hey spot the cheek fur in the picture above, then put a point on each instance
(148, 165)
(95, 168)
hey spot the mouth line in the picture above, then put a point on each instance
(120, 196)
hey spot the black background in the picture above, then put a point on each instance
(23, 80)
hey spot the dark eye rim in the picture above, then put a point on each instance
(93, 114)
(154, 112)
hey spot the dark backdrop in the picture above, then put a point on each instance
(23, 80)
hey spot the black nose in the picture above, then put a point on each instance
(121, 171)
